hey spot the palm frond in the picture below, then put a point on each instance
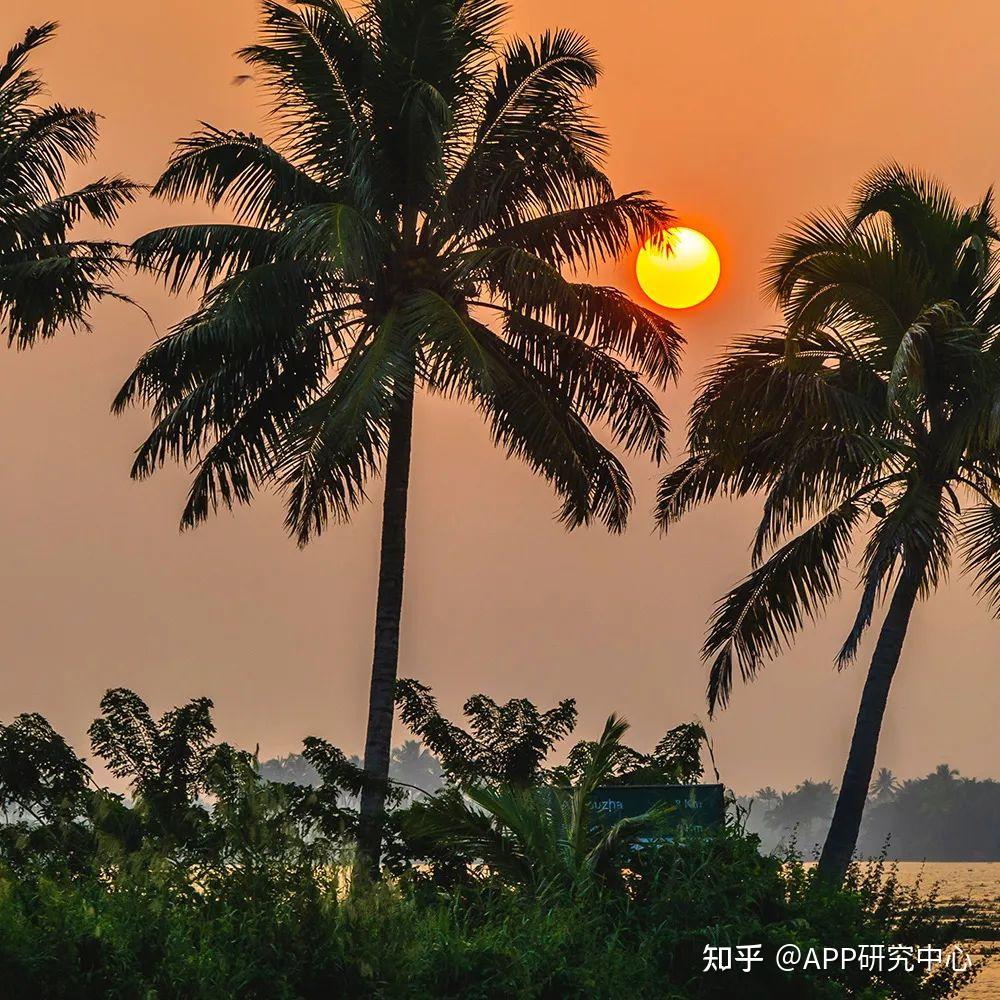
(339, 440)
(49, 280)
(56, 286)
(979, 537)
(198, 256)
(536, 423)
(238, 168)
(914, 536)
(19, 52)
(51, 221)
(759, 617)
(589, 234)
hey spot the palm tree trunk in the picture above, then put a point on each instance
(378, 741)
(846, 823)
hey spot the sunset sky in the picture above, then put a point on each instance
(741, 117)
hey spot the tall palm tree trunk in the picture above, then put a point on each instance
(846, 823)
(381, 701)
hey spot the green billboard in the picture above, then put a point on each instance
(696, 806)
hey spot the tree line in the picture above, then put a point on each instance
(942, 816)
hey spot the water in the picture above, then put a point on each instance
(960, 881)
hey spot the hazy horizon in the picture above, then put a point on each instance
(741, 123)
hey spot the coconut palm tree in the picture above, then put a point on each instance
(406, 230)
(414, 769)
(47, 279)
(884, 786)
(874, 411)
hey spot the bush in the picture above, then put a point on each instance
(143, 929)
(524, 897)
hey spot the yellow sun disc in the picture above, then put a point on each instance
(678, 268)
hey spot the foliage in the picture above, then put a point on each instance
(285, 929)
(675, 760)
(167, 764)
(413, 770)
(508, 745)
(48, 279)
(212, 882)
(942, 816)
(424, 178)
(884, 785)
(505, 745)
(186, 791)
(534, 836)
(804, 812)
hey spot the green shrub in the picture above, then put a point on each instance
(163, 897)
(265, 930)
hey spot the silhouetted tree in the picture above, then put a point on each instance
(40, 775)
(876, 401)
(884, 785)
(293, 768)
(49, 280)
(419, 183)
(508, 745)
(415, 768)
(505, 744)
(675, 760)
(167, 763)
(802, 813)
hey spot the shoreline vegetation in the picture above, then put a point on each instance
(209, 880)
(942, 816)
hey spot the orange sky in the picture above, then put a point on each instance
(740, 116)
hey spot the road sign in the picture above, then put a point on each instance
(695, 806)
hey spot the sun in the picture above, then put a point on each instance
(678, 268)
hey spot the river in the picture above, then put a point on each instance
(960, 881)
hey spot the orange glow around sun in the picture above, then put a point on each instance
(678, 268)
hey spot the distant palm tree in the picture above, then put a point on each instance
(47, 279)
(415, 769)
(878, 401)
(419, 183)
(884, 785)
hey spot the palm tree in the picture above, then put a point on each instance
(413, 768)
(420, 181)
(884, 786)
(767, 794)
(48, 280)
(874, 407)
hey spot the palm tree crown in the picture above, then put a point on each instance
(884, 785)
(420, 180)
(877, 404)
(47, 279)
